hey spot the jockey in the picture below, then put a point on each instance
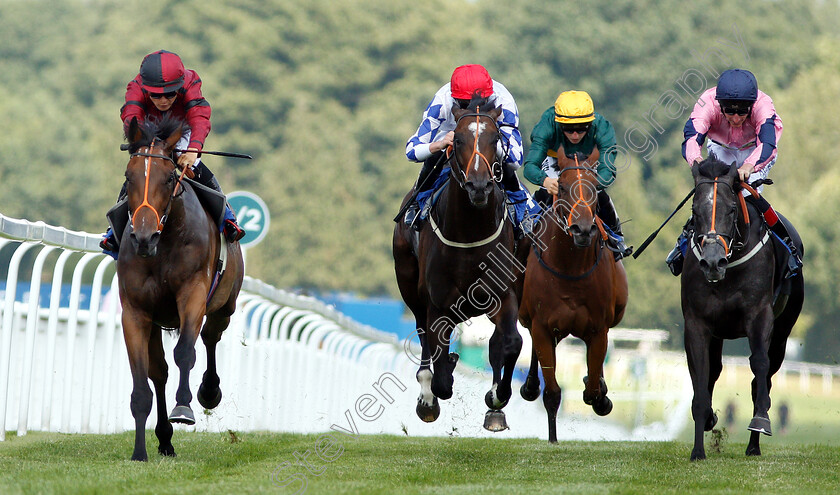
(743, 127)
(161, 87)
(573, 123)
(436, 133)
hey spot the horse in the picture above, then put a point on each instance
(572, 285)
(167, 260)
(460, 265)
(727, 288)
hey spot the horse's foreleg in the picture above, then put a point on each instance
(530, 390)
(697, 341)
(759, 339)
(543, 342)
(715, 367)
(428, 408)
(136, 330)
(209, 394)
(443, 362)
(505, 345)
(158, 373)
(191, 309)
(595, 391)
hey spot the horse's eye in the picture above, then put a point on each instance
(458, 140)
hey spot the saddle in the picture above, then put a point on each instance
(212, 201)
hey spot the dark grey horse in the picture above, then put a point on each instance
(732, 288)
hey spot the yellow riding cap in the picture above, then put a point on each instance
(574, 107)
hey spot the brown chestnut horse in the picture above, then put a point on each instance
(166, 266)
(573, 285)
(460, 266)
(728, 283)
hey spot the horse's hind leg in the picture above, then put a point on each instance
(136, 328)
(209, 394)
(505, 345)
(595, 393)
(158, 373)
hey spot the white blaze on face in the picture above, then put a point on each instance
(472, 127)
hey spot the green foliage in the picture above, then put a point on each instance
(325, 93)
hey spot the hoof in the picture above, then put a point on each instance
(753, 450)
(760, 425)
(168, 451)
(139, 457)
(698, 455)
(183, 415)
(602, 406)
(426, 413)
(495, 421)
(208, 400)
(711, 421)
(529, 393)
(488, 400)
(603, 388)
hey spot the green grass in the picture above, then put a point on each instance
(213, 463)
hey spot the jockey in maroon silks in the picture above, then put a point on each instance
(165, 87)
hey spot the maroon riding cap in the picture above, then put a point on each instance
(162, 72)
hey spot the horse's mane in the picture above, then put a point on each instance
(157, 127)
(713, 168)
(484, 103)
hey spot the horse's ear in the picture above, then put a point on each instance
(457, 111)
(173, 138)
(495, 113)
(134, 133)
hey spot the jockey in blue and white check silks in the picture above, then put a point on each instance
(438, 121)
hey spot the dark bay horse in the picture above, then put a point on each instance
(166, 266)
(573, 285)
(728, 281)
(461, 265)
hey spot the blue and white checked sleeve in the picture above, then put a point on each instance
(437, 121)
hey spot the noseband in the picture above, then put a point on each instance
(476, 157)
(161, 219)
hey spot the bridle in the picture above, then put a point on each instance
(713, 236)
(177, 190)
(566, 221)
(476, 157)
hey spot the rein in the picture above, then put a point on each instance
(161, 219)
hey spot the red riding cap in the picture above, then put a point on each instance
(469, 79)
(162, 72)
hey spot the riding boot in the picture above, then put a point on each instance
(424, 183)
(675, 258)
(794, 261)
(205, 177)
(606, 212)
(110, 244)
(525, 210)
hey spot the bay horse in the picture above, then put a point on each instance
(460, 265)
(573, 286)
(728, 283)
(166, 265)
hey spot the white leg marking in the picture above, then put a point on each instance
(426, 395)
